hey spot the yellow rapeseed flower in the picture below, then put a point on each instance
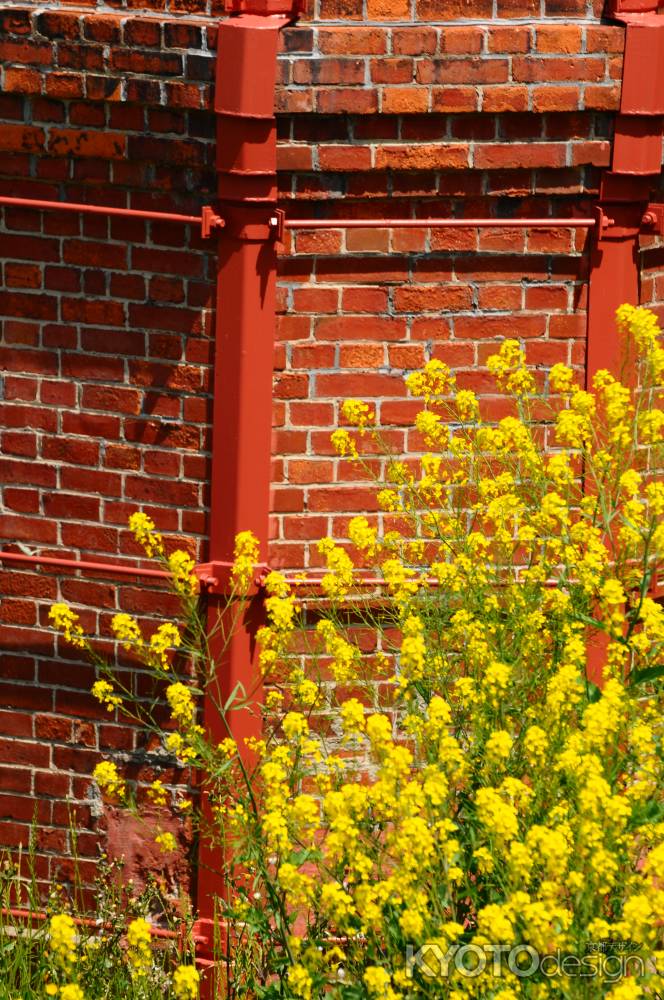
(67, 622)
(107, 777)
(139, 954)
(144, 531)
(186, 979)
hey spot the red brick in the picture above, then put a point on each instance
(142, 33)
(23, 81)
(295, 157)
(22, 275)
(328, 71)
(553, 98)
(432, 298)
(64, 85)
(454, 10)
(605, 38)
(474, 70)
(24, 752)
(15, 22)
(362, 356)
(64, 142)
(352, 41)
(21, 138)
(363, 240)
(88, 253)
(454, 99)
(404, 100)
(316, 300)
(388, 10)
(414, 41)
(426, 157)
(345, 100)
(492, 327)
(572, 326)
(391, 70)
(598, 153)
(518, 8)
(504, 298)
(558, 38)
(512, 39)
(359, 328)
(39, 53)
(531, 69)
(364, 300)
(536, 154)
(508, 98)
(602, 98)
(56, 24)
(344, 158)
(17, 443)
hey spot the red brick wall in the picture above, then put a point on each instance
(386, 108)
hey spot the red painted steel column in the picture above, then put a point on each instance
(243, 366)
(636, 160)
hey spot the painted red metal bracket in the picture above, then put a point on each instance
(617, 9)
(210, 222)
(215, 577)
(653, 220)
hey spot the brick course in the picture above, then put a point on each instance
(386, 108)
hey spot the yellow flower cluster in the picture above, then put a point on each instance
(181, 702)
(144, 531)
(67, 622)
(357, 413)
(166, 842)
(508, 367)
(245, 557)
(186, 979)
(71, 991)
(127, 631)
(157, 793)
(166, 638)
(139, 952)
(434, 381)
(106, 695)
(339, 579)
(62, 939)
(183, 578)
(108, 778)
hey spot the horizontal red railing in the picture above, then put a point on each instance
(81, 564)
(39, 916)
(70, 206)
(396, 223)
(297, 580)
(542, 223)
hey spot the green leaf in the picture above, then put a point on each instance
(647, 674)
(238, 689)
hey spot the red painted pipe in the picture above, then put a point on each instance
(81, 564)
(440, 223)
(543, 223)
(38, 915)
(130, 213)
